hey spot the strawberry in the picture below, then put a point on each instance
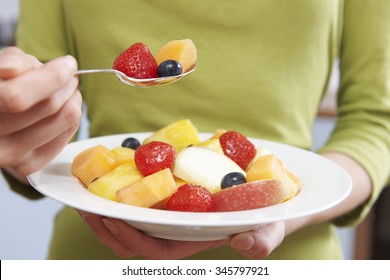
(154, 156)
(137, 62)
(191, 198)
(238, 148)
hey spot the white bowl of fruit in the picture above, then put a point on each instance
(177, 183)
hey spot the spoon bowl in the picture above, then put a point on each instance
(142, 83)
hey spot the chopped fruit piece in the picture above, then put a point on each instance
(271, 167)
(179, 134)
(213, 142)
(295, 183)
(238, 148)
(131, 143)
(201, 166)
(163, 203)
(154, 156)
(266, 167)
(218, 133)
(261, 151)
(149, 190)
(122, 176)
(123, 155)
(251, 195)
(137, 62)
(169, 68)
(93, 163)
(231, 179)
(183, 51)
(191, 198)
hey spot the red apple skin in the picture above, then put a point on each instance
(251, 195)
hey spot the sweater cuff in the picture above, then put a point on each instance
(20, 188)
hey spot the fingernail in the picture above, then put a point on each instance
(10, 63)
(70, 62)
(111, 226)
(243, 242)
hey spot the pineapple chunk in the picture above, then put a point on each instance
(218, 133)
(93, 163)
(213, 142)
(179, 134)
(122, 176)
(183, 51)
(149, 190)
(123, 155)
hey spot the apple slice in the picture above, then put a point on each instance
(252, 195)
(205, 167)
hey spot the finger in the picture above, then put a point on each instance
(156, 248)
(23, 165)
(12, 122)
(49, 128)
(16, 150)
(258, 244)
(14, 62)
(105, 236)
(25, 91)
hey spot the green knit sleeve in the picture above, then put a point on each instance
(21, 188)
(44, 34)
(363, 126)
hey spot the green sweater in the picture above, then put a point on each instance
(263, 68)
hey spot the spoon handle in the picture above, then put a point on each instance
(92, 71)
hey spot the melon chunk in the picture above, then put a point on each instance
(149, 190)
(183, 51)
(271, 167)
(93, 163)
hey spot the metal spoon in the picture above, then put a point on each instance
(152, 82)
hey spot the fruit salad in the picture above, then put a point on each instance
(174, 170)
(174, 58)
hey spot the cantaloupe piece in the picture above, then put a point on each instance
(93, 163)
(149, 190)
(162, 205)
(183, 51)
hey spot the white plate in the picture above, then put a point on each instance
(325, 184)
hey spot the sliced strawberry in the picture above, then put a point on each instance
(154, 156)
(238, 148)
(191, 198)
(137, 62)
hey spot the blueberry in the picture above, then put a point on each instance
(131, 143)
(232, 179)
(169, 68)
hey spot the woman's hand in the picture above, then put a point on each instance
(126, 241)
(40, 110)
